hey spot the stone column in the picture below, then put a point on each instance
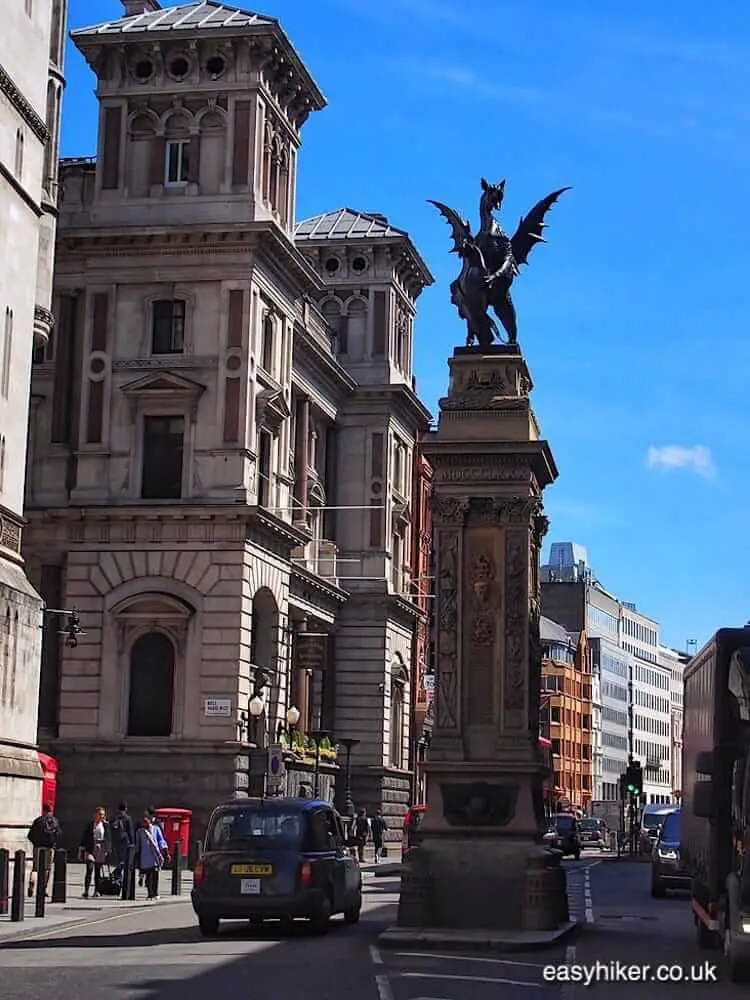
(301, 459)
(481, 833)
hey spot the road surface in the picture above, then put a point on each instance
(156, 953)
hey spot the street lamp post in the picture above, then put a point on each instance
(256, 707)
(348, 745)
(292, 718)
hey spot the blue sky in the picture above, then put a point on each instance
(634, 318)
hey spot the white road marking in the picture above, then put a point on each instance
(385, 990)
(377, 958)
(568, 990)
(468, 979)
(444, 957)
(587, 898)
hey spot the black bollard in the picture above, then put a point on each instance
(4, 881)
(60, 876)
(19, 879)
(128, 876)
(42, 869)
(177, 870)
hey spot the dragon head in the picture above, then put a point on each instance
(494, 194)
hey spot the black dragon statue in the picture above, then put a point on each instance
(491, 262)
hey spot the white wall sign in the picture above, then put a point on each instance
(217, 708)
(429, 683)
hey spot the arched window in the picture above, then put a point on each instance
(19, 154)
(49, 148)
(356, 328)
(151, 698)
(331, 311)
(265, 625)
(398, 685)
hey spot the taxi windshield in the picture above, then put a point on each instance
(260, 826)
(565, 823)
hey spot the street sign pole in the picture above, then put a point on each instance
(275, 770)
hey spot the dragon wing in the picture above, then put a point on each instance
(531, 228)
(460, 227)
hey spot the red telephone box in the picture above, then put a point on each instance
(50, 768)
(176, 826)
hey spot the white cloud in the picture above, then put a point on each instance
(675, 456)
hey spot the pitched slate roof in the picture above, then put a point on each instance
(550, 631)
(207, 14)
(347, 224)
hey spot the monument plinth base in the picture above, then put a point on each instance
(482, 882)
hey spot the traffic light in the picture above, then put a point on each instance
(623, 786)
(634, 779)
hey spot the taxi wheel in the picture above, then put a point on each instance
(322, 919)
(208, 926)
(352, 916)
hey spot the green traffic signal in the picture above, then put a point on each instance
(632, 789)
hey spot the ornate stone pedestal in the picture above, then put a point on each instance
(480, 863)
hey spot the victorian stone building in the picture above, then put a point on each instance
(31, 84)
(223, 437)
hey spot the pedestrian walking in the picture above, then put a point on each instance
(44, 834)
(361, 833)
(95, 848)
(152, 854)
(122, 832)
(378, 828)
(150, 811)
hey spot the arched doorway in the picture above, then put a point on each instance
(151, 694)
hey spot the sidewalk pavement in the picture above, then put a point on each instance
(77, 911)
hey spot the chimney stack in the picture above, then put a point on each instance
(134, 7)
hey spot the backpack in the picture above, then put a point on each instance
(48, 831)
(118, 830)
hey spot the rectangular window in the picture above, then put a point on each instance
(267, 347)
(397, 556)
(177, 162)
(163, 446)
(7, 352)
(264, 468)
(168, 327)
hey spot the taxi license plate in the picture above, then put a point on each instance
(252, 870)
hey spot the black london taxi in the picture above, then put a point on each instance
(564, 835)
(275, 859)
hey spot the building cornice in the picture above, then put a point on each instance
(23, 106)
(192, 241)
(388, 397)
(319, 583)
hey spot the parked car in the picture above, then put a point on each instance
(412, 822)
(269, 859)
(564, 835)
(593, 832)
(668, 871)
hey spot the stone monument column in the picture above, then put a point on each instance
(483, 824)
